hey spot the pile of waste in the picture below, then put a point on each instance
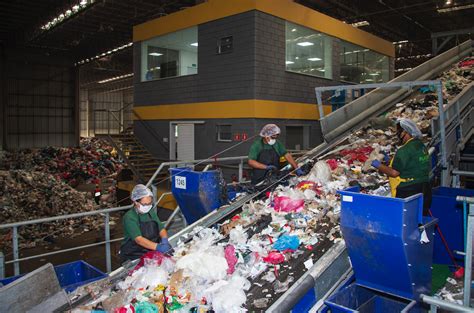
(92, 161)
(27, 195)
(256, 255)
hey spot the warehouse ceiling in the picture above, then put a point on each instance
(89, 29)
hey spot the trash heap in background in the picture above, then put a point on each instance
(39, 183)
(256, 255)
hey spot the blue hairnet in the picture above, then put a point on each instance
(269, 130)
(140, 191)
(410, 127)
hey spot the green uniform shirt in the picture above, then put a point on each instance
(412, 160)
(131, 223)
(258, 147)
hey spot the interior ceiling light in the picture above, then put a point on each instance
(418, 56)
(448, 2)
(289, 62)
(314, 59)
(115, 78)
(400, 42)
(110, 52)
(305, 43)
(360, 24)
(67, 14)
(155, 54)
(403, 69)
(194, 44)
(456, 8)
(293, 30)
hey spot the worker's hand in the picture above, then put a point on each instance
(376, 163)
(386, 158)
(164, 233)
(299, 172)
(271, 168)
(164, 246)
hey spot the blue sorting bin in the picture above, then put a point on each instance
(197, 193)
(450, 215)
(356, 298)
(70, 275)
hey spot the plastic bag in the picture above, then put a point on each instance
(286, 204)
(280, 287)
(333, 164)
(125, 309)
(150, 275)
(211, 267)
(145, 307)
(229, 297)
(274, 258)
(269, 276)
(238, 236)
(286, 242)
(231, 258)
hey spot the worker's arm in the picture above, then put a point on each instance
(145, 243)
(387, 170)
(290, 160)
(257, 165)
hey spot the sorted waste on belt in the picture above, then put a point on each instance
(254, 257)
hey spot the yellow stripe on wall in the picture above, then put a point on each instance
(252, 108)
(284, 9)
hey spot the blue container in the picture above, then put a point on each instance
(356, 298)
(450, 215)
(70, 275)
(383, 241)
(197, 193)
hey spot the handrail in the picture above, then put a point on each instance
(153, 132)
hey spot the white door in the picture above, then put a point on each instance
(185, 142)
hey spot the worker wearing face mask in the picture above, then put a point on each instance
(143, 231)
(409, 170)
(265, 153)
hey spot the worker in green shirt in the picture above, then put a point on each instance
(143, 230)
(409, 170)
(265, 153)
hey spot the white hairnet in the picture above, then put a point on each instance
(140, 191)
(410, 127)
(269, 130)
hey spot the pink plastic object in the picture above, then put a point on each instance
(153, 255)
(230, 258)
(333, 164)
(274, 258)
(125, 309)
(286, 204)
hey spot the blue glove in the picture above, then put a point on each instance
(299, 172)
(164, 246)
(386, 158)
(271, 168)
(376, 163)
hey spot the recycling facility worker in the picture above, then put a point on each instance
(265, 153)
(409, 169)
(143, 230)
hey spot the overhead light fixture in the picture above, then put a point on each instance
(108, 80)
(293, 30)
(360, 24)
(101, 55)
(61, 17)
(374, 74)
(155, 54)
(399, 42)
(289, 62)
(195, 44)
(314, 59)
(321, 69)
(305, 43)
(448, 2)
(456, 8)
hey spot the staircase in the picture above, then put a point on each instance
(139, 160)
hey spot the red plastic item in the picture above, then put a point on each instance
(153, 255)
(230, 258)
(359, 154)
(274, 258)
(286, 204)
(333, 164)
(125, 309)
(467, 63)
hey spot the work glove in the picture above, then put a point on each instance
(376, 163)
(299, 172)
(386, 158)
(271, 168)
(164, 246)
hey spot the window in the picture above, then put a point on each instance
(224, 133)
(170, 55)
(360, 65)
(308, 51)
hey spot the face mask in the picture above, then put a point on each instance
(143, 209)
(271, 142)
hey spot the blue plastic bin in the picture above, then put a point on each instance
(70, 275)
(356, 298)
(197, 193)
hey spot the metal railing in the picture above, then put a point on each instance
(106, 214)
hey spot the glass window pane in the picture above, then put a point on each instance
(361, 65)
(224, 133)
(308, 51)
(170, 55)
